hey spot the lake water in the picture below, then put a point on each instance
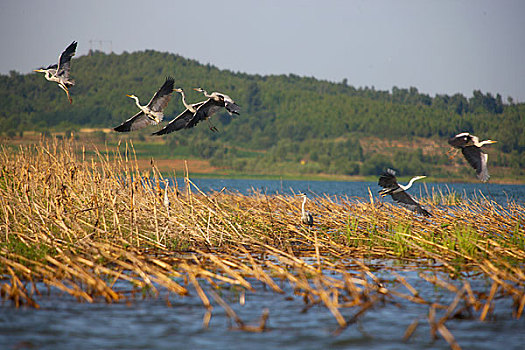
(63, 323)
(498, 192)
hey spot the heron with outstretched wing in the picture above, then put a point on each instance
(388, 181)
(470, 146)
(59, 72)
(180, 121)
(152, 113)
(215, 102)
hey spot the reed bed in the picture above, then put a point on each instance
(81, 224)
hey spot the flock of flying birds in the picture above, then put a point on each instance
(152, 114)
(470, 146)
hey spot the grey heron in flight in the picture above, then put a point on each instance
(152, 113)
(306, 217)
(471, 148)
(59, 72)
(216, 101)
(388, 181)
(180, 121)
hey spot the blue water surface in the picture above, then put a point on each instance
(498, 192)
(63, 323)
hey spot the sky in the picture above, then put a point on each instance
(439, 47)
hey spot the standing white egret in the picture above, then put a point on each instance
(471, 148)
(388, 181)
(59, 73)
(216, 101)
(152, 113)
(182, 120)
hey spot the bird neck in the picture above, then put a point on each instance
(205, 93)
(166, 194)
(409, 184)
(189, 107)
(137, 102)
(302, 207)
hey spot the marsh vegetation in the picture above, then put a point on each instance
(85, 223)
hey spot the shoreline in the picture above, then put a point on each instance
(201, 168)
(335, 178)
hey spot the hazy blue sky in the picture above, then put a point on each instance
(442, 46)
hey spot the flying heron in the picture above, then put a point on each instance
(59, 73)
(388, 181)
(471, 148)
(180, 121)
(216, 101)
(152, 113)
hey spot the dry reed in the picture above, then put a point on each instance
(81, 222)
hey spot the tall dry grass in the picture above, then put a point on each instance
(81, 222)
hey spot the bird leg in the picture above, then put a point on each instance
(212, 127)
(385, 192)
(455, 150)
(67, 93)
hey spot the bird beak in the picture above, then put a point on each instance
(128, 95)
(38, 70)
(196, 89)
(492, 141)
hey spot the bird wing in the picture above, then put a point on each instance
(160, 100)
(484, 176)
(52, 66)
(64, 61)
(463, 139)
(388, 179)
(137, 122)
(179, 122)
(232, 107)
(307, 219)
(407, 201)
(206, 110)
(478, 160)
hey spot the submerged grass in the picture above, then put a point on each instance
(81, 224)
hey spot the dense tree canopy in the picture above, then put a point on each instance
(286, 118)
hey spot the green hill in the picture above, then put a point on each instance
(288, 124)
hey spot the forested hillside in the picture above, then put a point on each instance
(287, 123)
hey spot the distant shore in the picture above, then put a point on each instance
(202, 168)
